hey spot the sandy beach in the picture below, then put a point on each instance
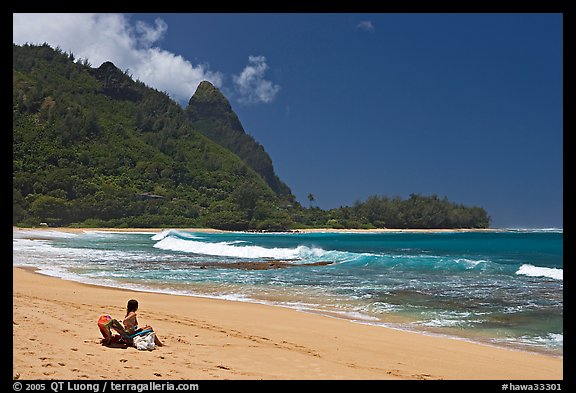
(55, 336)
(210, 230)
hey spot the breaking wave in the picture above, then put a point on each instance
(226, 249)
(535, 271)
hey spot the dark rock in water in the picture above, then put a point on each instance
(267, 265)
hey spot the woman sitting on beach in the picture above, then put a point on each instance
(131, 322)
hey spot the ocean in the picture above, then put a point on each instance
(502, 288)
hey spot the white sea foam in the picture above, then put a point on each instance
(443, 323)
(551, 229)
(21, 244)
(535, 271)
(470, 263)
(42, 234)
(112, 233)
(231, 250)
(550, 340)
(447, 319)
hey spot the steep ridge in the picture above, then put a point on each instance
(211, 114)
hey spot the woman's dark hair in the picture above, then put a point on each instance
(132, 306)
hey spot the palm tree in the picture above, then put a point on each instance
(311, 198)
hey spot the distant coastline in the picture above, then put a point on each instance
(300, 230)
(306, 230)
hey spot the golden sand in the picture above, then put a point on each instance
(55, 336)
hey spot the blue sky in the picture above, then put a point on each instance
(349, 105)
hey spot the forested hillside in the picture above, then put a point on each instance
(93, 147)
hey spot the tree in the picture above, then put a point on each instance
(50, 209)
(311, 198)
(246, 197)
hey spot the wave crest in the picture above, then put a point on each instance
(535, 271)
(235, 251)
(175, 233)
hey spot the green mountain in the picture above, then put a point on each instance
(93, 147)
(211, 114)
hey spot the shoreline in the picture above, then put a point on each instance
(392, 322)
(399, 323)
(292, 231)
(295, 231)
(237, 340)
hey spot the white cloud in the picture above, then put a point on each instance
(112, 37)
(366, 25)
(251, 85)
(150, 35)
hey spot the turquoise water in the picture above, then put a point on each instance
(503, 288)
